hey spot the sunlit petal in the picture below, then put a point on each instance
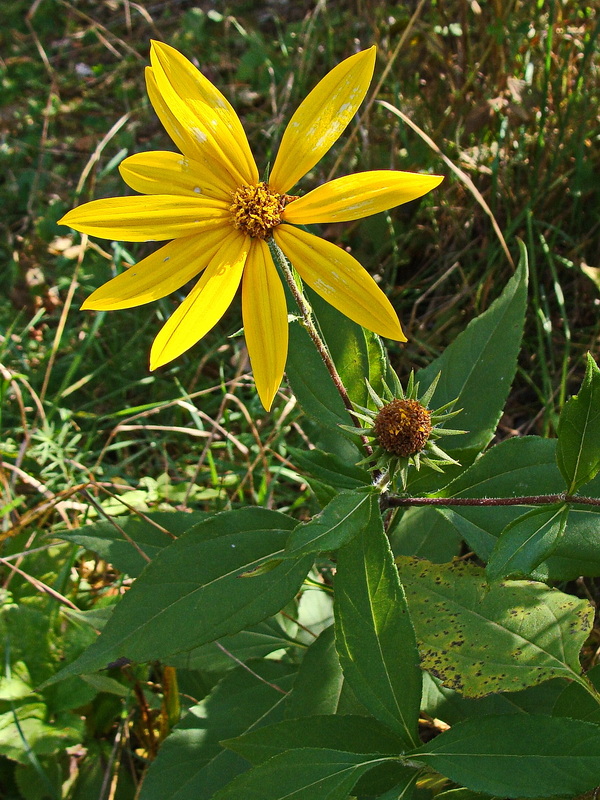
(206, 303)
(359, 195)
(265, 321)
(146, 219)
(340, 279)
(157, 275)
(184, 139)
(162, 172)
(321, 118)
(211, 122)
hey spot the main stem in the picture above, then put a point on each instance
(311, 329)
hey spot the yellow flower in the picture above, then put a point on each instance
(210, 202)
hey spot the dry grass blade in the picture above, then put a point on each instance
(461, 175)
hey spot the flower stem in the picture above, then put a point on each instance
(527, 500)
(309, 324)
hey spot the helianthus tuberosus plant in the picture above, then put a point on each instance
(438, 566)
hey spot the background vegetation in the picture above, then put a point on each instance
(504, 100)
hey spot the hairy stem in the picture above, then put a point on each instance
(527, 500)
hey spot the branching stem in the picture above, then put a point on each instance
(526, 500)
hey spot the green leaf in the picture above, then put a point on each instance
(320, 687)
(462, 794)
(374, 634)
(134, 541)
(426, 533)
(405, 789)
(443, 703)
(479, 638)
(303, 774)
(330, 469)
(312, 384)
(352, 734)
(479, 366)
(516, 467)
(522, 466)
(40, 782)
(25, 633)
(192, 592)
(576, 703)
(578, 449)
(347, 344)
(17, 685)
(191, 763)
(342, 732)
(320, 680)
(380, 369)
(577, 551)
(518, 756)
(340, 521)
(24, 728)
(527, 541)
(255, 642)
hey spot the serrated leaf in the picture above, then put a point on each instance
(576, 703)
(518, 756)
(405, 789)
(191, 762)
(302, 775)
(318, 687)
(425, 533)
(375, 639)
(462, 794)
(479, 366)
(479, 638)
(255, 642)
(134, 541)
(347, 345)
(520, 466)
(192, 592)
(312, 384)
(443, 703)
(343, 518)
(527, 541)
(578, 449)
(352, 734)
(330, 469)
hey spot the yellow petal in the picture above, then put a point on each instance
(206, 303)
(157, 275)
(359, 195)
(211, 124)
(148, 219)
(161, 172)
(321, 118)
(265, 321)
(183, 138)
(340, 279)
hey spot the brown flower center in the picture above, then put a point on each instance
(402, 427)
(256, 210)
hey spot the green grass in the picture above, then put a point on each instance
(508, 92)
